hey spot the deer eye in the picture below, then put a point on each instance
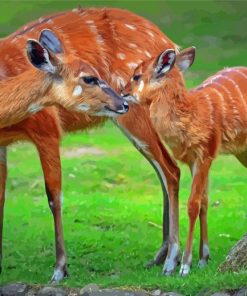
(90, 80)
(136, 77)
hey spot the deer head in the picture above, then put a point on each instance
(76, 85)
(158, 76)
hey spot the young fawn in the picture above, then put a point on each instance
(74, 86)
(196, 124)
(107, 39)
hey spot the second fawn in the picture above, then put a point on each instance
(196, 124)
(75, 86)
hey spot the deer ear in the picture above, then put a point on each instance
(40, 57)
(186, 58)
(50, 41)
(164, 62)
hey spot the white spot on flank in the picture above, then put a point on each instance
(141, 86)
(89, 22)
(41, 19)
(83, 107)
(131, 27)
(77, 91)
(164, 40)
(121, 55)
(151, 34)
(132, 45)
(34, 108)
(148, 54)
(132, 65)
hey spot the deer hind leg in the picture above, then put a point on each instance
(142, 134)
(51, 165)
(200, 176)
(243, 158)
(204, 247)
(3, 177)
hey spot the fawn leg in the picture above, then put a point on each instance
(204, 253)
(200, 176)
(51, 165)
(3, 177)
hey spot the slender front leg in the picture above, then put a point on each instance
(144, 137)
(51, 165)
(3, 177)
(204, 247)
(200, 176)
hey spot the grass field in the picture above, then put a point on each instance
(111, 194)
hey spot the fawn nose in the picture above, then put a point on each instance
(128, 97)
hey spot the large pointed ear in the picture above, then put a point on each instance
(186, 58)
(40, 57)
(164, 62)
(50, 41)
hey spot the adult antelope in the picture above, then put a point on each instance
(74, 86)
(196, 124)
(113, 41)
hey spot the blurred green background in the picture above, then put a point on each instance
(110, 191)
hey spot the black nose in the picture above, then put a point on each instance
(126, 106)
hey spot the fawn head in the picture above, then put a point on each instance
(158, 76)
(76, 85)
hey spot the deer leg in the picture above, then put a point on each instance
(51, 165)
(3, 177)
(204, 253)
(200, 176)
(204, 248)
(148, 143)
(243, 158)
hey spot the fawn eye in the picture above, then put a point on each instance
(90, 80)
(136, 77)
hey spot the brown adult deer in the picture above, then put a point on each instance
(196, 124)
(107, 39)
(71, 86)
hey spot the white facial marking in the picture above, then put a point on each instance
(121, 56)
(77, 91)
(34, 108)
(83, 107)
(141, 86)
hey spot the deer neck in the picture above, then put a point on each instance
(23, 95)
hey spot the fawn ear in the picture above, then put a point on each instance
(50, 41)
(40, 57)
(164, 62)
(186, 58)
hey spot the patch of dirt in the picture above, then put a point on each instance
(77, 152)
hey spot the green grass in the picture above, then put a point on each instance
(109, 199)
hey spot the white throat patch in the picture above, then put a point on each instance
(77, 91)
